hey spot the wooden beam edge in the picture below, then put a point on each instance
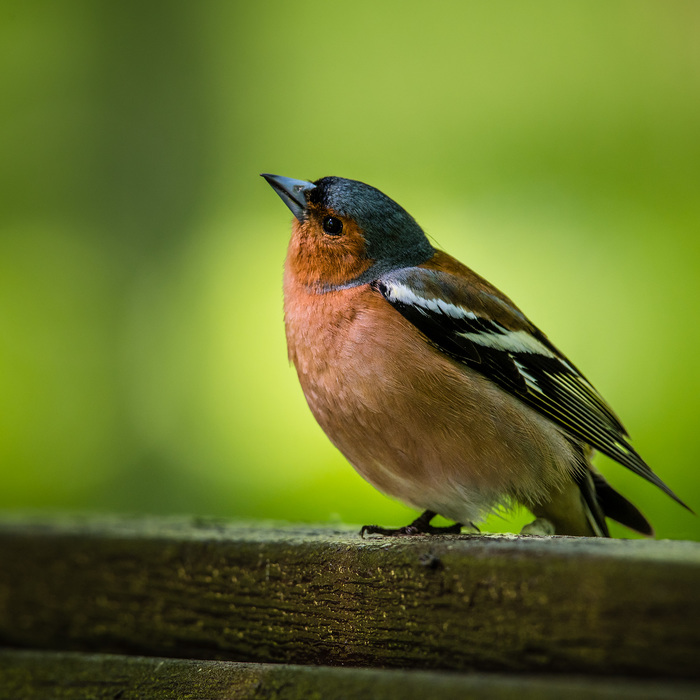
(35, 675)
(212, 589)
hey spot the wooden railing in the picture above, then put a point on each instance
(119, 607)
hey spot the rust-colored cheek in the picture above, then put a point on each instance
(318, 260)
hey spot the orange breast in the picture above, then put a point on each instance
(412, 421)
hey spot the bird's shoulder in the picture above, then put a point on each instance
(448, 286)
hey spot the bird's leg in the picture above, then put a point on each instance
(420, 526)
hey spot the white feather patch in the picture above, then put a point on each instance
(504, 339)
(510, 341)
(405, 295)
(529, 379)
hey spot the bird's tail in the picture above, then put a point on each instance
(601, 501)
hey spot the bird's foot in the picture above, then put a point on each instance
(420, 526)
(409, 530)
(540, 527)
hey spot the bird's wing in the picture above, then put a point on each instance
(488, 334)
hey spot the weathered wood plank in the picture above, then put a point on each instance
(215, 590)
(32, 675)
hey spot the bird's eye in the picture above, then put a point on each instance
(332, 225)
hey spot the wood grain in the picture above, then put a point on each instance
(35, 675)
(215, 590)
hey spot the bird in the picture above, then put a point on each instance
(432, 383)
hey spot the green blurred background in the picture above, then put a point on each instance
(554, 147)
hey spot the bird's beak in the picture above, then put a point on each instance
(292, 192)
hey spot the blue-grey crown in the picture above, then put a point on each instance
(394, 238)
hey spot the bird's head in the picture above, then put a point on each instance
(347, 233)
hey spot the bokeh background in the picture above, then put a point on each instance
(554, 147)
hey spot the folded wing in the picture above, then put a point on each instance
(494, 338)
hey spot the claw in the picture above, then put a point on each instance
(420, 526)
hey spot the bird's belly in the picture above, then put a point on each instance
(425, 429)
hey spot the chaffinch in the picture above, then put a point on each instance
(432, 383)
